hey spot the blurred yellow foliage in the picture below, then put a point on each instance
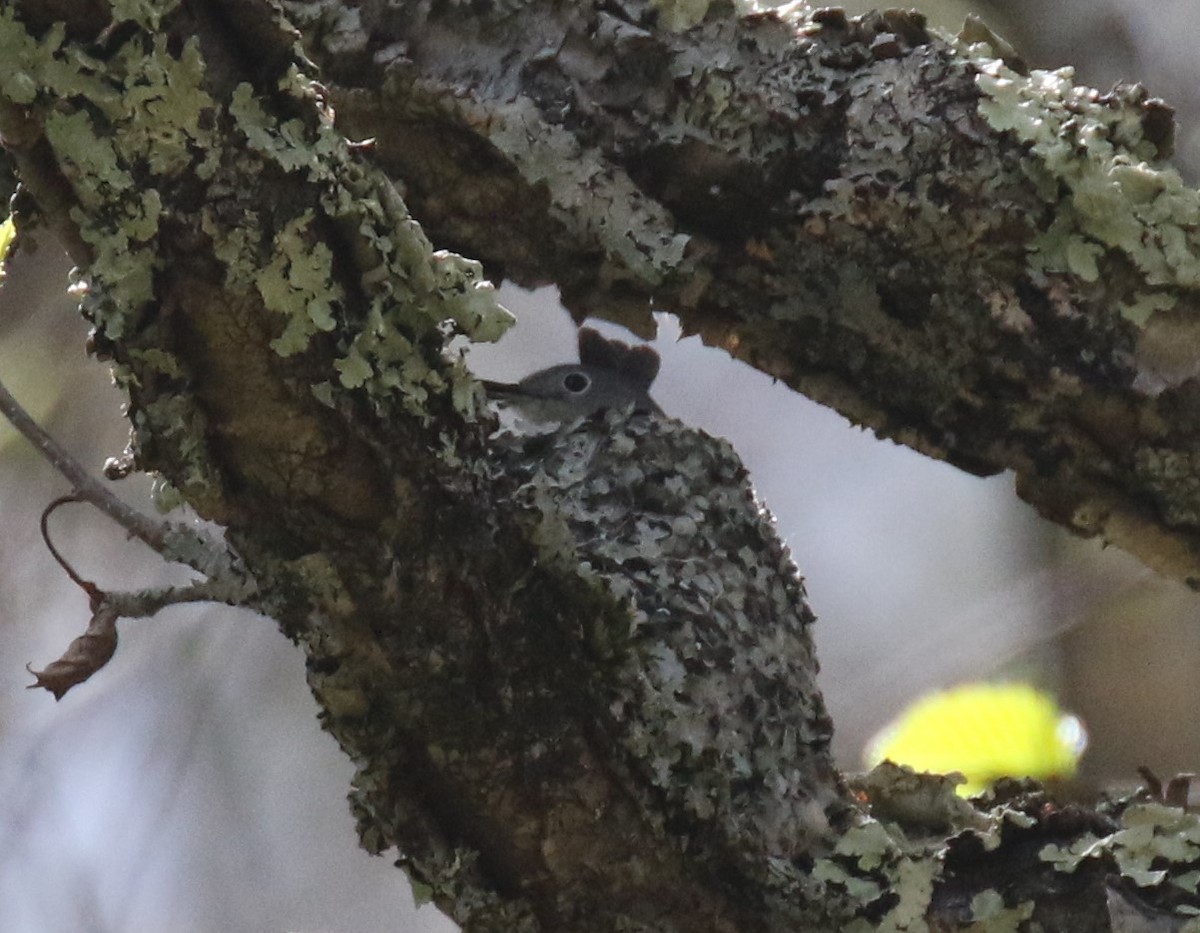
(8, 233)
(985, 731)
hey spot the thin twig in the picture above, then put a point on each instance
(201, 553)
(142, 604)
(84, 485)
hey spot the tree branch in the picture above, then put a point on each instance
(574, 672)
(993, 267)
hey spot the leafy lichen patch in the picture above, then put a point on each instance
(1098, 159)
(1157, 847)
(124, 130)
(706, 681)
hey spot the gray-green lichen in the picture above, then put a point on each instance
(588, 194)
(891, 884)
(1157, 848)
(989, 914)
(130, 128)
(888, 862)
(413, 291)
(111, 124)
(677, 15)
(700, 689)
(901, 795)
(1092, 158)
(446, 878)
(706, 683)
(1172, 476)
(926, 836)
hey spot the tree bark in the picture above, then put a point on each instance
(574, 671)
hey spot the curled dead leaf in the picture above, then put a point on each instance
(83, 657)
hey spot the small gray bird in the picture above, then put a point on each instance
(609, 374)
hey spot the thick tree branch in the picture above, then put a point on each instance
(993, 267)
(574, 671)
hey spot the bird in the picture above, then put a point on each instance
(609, 375)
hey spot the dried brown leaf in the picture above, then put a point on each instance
(83, 657)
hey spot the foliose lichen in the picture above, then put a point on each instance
(705, 684)
(127, 129)
(1094, 158)
(588, 195)
(1157, 848)
(677, 15)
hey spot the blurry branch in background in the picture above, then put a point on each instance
(573, 671)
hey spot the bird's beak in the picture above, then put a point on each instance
(500, 389)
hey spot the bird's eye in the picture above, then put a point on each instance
(576, 382)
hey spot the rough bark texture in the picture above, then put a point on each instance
(574, 671)
(975, 262)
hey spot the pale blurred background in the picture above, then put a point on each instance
(188, 787)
